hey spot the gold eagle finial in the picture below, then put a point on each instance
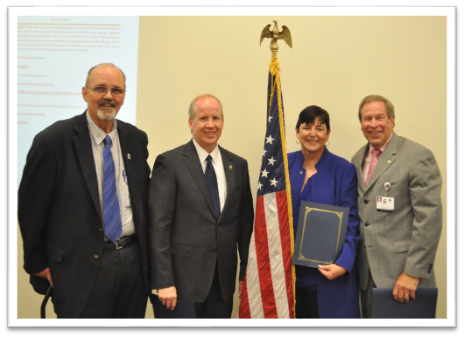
(275, 35)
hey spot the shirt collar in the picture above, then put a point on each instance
(382, 148)
(203, 154)
(98, 134)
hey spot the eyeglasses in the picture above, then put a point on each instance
(103, 90)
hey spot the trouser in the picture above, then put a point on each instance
(366, 298)
(306, 305)
(214, 306)
(119, 290)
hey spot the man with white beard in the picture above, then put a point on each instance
(82, 207)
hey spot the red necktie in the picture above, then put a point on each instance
(375, 158)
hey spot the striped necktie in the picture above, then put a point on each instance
(111, 213)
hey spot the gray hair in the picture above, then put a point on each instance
(192, 111)
(372, 98)
(104, 64)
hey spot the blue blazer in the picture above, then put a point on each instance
(334, 183)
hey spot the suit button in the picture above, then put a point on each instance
(101, 230)
(366, 201)
(95, 257)
(214, 251)
(366, 224)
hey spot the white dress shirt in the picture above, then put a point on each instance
(122, 185)
(218, 169)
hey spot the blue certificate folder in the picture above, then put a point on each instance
(385, 306)
(320, 235)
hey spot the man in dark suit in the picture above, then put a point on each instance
(200, 213)
(82, 207)
(399, 204)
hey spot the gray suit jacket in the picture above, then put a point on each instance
(405, 239)
(185, 240)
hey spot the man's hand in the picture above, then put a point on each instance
(45, 274)
(240, 288)
(405, 288)
(168, 297)
(332, 271)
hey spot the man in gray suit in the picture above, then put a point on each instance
(200, 213)
(399, 206)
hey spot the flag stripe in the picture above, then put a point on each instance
(244, 310)
(275, 250)
(264, 266)
(252, 284)
(281, 197)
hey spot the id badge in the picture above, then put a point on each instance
(385, 203)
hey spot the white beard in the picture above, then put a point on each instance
(106, 114)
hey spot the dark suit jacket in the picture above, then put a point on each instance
(404, 239)
(185, 239)
(59, 210)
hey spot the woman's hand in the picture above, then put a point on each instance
(332, 271)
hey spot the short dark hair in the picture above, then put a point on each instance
(310, 114)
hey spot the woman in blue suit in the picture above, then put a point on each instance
(317, 175)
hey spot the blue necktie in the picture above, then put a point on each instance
(111, 213)
(211, 181)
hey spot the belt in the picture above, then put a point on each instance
(120, 243)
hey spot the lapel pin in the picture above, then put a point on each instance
(230, 167)
(128, 156)
(389, 161)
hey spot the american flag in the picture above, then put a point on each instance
(269, 279)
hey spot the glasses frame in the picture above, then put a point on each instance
(106, 91)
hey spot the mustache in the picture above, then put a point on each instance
(105, 102)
